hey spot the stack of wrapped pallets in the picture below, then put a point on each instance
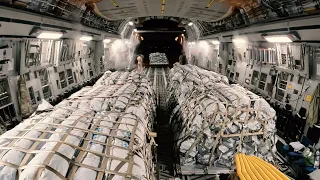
(100, 132)
(213, 120)
(158, 59)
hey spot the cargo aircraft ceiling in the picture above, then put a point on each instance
(204, 10)
(198, 17)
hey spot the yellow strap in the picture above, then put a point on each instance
(255, 171)
(239, 167)
(254, 168)
(249, 170)
(273, 169)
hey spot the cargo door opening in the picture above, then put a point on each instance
(161, 36)
(161, 44)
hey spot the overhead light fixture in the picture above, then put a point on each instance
(193, 43)
(176, 38)
(86, 38)
(142, 38)
(215, 42)
(107, 40)
(135, 30)
(190, 24)
(130, 23)
(278, 39)
(281, 38)
(239, 41)
(184, 30)
(50, 35)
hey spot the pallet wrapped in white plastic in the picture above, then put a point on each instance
(119, 78)
(158, 59)
(84, 140)
(213, 120)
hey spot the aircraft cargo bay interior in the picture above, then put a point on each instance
(159, 89)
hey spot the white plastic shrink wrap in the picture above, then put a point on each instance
(213, 120)
(158, 59)
(100, 132)
(120, 78)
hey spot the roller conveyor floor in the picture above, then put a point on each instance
(159, 79)
(165, 165)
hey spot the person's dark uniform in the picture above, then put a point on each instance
(183, 59)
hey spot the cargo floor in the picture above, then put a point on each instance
(165, 169)
(158, 77)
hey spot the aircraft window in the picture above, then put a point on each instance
(31, 94)
(63, 82)
(70, 77)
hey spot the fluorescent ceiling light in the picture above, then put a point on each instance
(282, 38)
(107, 40)
(130, 23)
(215, 42)
(278, 39)
(50, 35)
(239, 41)
(86, 38)
(190, 24)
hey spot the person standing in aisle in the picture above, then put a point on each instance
(183, 58)
(140, 67)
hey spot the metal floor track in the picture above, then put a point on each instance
(165, 169)
(159, 79)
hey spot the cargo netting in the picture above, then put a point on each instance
(213, 120)
(99, 132)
